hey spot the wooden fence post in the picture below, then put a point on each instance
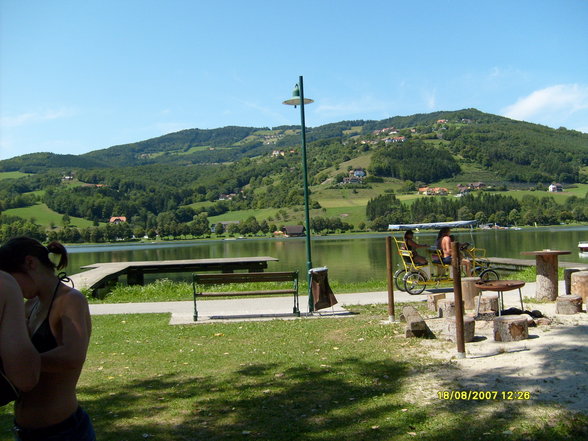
(390, 279)
(456, 263)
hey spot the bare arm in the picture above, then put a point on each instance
(20, 358)
(74, 328)
(413, 244)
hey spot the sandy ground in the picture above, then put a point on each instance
(551, 364)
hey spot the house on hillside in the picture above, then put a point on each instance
(462, 189)
(434, 191)
(555, 188)
(477, 185)
(395, 139)
(117, 219)
(294, 230)
(351, 180)
(225, 225)
(227, 197)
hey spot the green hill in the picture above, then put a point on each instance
(167, 184)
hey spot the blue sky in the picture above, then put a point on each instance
(77, 76)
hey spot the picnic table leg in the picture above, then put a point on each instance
(546, 277)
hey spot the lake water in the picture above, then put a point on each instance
(349, 258)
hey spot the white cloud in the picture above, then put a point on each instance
(35, 117)
(554, 106)
(430, 98)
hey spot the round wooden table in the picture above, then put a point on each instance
(500, 286)
(546, 261)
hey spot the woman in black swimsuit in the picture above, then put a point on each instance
(59, 321)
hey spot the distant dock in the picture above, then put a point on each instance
(518, 264)
(100, 274)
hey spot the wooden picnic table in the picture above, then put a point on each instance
(546, 261)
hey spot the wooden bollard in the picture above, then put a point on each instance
(433, 300)
(568, 278)
(469, 291)
(511, 328)
(568, 305)
(488, 302)
(580, 284)
(469, 328)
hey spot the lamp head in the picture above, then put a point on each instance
(295, 100)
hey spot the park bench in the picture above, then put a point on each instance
(201, 280)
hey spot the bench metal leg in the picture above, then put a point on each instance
(296, 309)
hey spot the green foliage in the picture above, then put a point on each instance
(521, 151)
(414, 160)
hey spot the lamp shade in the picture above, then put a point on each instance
(295, 100)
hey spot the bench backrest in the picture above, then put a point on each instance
(221, 278)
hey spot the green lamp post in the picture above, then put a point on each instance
(299, 100)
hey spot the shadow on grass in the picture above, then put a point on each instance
(259, 400)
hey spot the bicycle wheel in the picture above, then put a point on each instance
(488, 275)
(414, 283)
(398, 279)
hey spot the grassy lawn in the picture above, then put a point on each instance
(13, 175)
(43, 215)
(325, 379)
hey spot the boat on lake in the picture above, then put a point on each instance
(583, 246)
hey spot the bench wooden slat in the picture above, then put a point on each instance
(246, 293)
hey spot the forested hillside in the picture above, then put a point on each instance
(172, 184)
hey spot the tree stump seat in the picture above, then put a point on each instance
(571, 304)
(568, 278)
(446, 308)
(469, 328)
(433, 300)
(469, 291)
(511, 328)
(488, 303)
(579, 284)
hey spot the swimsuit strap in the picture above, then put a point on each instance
(63, 278)
(53, 298)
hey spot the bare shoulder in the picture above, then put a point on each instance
(72, 298)
(9, 289)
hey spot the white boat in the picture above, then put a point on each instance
(583, 246)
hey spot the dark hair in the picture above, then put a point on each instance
(14, 252)
(407, 233)
(443, 232)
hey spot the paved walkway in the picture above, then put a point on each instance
(268, 308)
